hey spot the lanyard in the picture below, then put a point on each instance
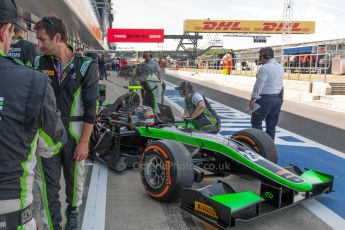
(58, 69)
(61, 70)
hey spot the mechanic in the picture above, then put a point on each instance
(75, 83)
(102, 67)
(198, 110)
(149, 74)
(22, 49)
(267, 92)
(29, 125)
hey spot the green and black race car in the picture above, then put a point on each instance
(172, 157)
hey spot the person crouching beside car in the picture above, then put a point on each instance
(198, 110)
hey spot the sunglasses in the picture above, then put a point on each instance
(47, 19)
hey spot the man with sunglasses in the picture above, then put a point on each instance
(267, 92)
(30, 128)
(75, 82)
(149, 74)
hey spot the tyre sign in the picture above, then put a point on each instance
(208, 210)
(136, 35)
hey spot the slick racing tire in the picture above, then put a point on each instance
(259, 141)
(166, 168)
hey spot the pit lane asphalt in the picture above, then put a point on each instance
(321, 125)
(128, 206)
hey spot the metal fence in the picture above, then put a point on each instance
(297, 67)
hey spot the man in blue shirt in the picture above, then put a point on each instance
(267, 92)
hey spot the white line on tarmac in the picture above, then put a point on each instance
(315, 144)
(325, 214)
(94, 215)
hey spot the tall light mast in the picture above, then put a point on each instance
(287, 25)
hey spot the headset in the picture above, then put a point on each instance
(267, 52)
(186, 87)
(147, 52)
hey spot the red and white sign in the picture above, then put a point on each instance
(136, 35)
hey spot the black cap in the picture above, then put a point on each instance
(185, 85)
(8, 12)
(180, 86)
(21, 25)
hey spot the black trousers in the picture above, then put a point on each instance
(270, 106)
(49, 182)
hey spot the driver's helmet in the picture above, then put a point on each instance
(144, 115)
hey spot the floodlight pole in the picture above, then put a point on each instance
(287, 26)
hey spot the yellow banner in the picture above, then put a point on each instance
(244, 26)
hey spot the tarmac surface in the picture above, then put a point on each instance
(319, 124)
(118, 200)
(128, 207)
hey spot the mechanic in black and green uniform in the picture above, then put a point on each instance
(30, 128)
(74, 79)
(22, 49)
(198, 110)
(149, 75)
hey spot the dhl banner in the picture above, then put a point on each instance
(244, 26)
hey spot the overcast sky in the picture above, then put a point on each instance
(170, 14)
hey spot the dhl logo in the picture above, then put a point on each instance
(221, 26)
(273, 26)
(208, 210)
(236, 26)
(242, 26)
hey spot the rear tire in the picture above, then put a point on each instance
(259, 141)
(166, 168)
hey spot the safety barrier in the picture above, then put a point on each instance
(296, 67)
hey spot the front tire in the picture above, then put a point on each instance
(166, 168)
(259, 141)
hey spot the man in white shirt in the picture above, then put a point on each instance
(267, 92)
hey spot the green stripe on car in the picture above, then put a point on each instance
(222, 149)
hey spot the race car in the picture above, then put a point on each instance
(173, 158)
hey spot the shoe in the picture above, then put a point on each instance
(72, 219)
